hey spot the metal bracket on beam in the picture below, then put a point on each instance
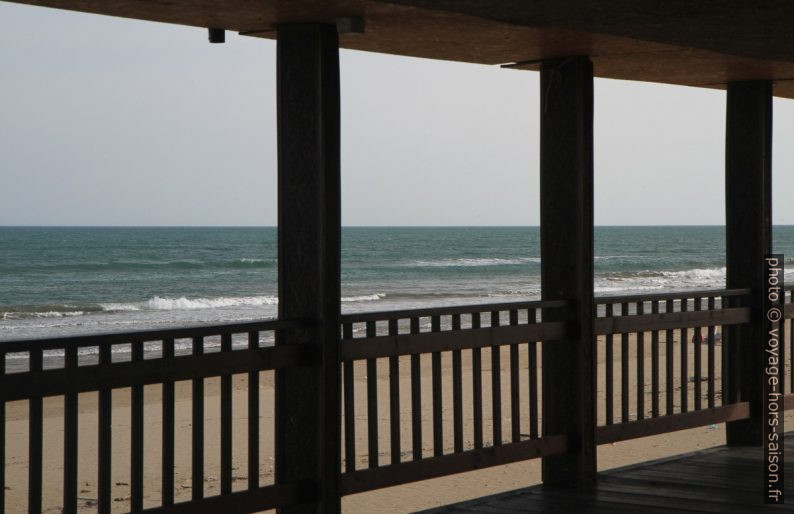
(217, 35)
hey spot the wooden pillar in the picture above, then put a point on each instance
(308, 399)
(566, 237)
(748, 220)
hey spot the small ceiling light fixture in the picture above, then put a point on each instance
(217, 35)
(350, 25)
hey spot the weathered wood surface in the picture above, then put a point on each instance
(724, 480)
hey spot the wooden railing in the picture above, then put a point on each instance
(512, 331)
(677, 337)
(63, 368)
(426, 393)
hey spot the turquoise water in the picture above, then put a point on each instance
(56, 281)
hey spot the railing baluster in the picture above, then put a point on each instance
(698, 359)
(394, 398)
(655, 365)
(515, 400)
(416, 398)
(791, 350)
(496, 384)
(684, 361)
(670, 389)
(438, 433)
(624, 369)
(610, 371)
(2, 440)
(476, 375)
(640, 366)
(136, 436)
(226, 422)
(104, 432)
(350, 406)
(197, 489)
(70, 439)
(35, 434)
(372, 402)
(710, 356)
(533, 380)
(253, 416)
(168, 430)
(457, 391)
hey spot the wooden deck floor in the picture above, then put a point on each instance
(726, 480)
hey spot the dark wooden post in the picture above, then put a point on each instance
(566, 237)
(308, 399)
(748, 220)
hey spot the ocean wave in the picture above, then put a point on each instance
(14, 315)
(145, 265)
(364, 298)
(472, 262)
(159, 303)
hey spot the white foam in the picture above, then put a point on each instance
(364, 298)
(159, 303)
(468, 262)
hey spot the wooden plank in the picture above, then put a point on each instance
(358, 317)
(684, 346)
(438, 429)
(711, 393)
(197, 420)
(669, 354)
(35, 440)
(2, 440)
(640, 308)
(566, 237)
(350, 405)
(416, 398)
(625, 389)
(253, 416)
(457, 391)
(386, 476)
(671, 320)
(169, 426)
(610, 371)
(515, 400)
(655, 365)
(70, 451)
(394, 399)
(665, 424)
(664, 297)
(698, 364)
(496, 385)
(309, 256)
(476, 379)
(532, 348)
(136, 436)
(448, 340)
(94, 340)
(226, 422)
(372, 403)
(104, 433)
(748, 224)
(18, 386)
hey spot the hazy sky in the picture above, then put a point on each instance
(106, 121)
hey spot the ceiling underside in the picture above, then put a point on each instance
(704, 44)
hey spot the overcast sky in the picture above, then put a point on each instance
(105, 121)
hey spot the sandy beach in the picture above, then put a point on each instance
(403, 498)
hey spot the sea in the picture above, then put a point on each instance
(58, 281)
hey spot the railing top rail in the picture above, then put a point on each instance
(356, 317)
(22, 345)
(654, 297)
